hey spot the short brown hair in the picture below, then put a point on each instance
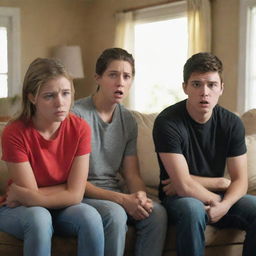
(111, 54)
(202, 62)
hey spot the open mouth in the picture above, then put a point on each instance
(204, 102)
(118, 92)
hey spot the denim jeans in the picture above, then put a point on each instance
(35, 225)
(190, 218)
(150, 232)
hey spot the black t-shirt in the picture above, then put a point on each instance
(204, 146)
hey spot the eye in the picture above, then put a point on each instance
(196, 84)
(66, 93)
(212, 85)
(127, 76)
(112, 75)
(48, 96)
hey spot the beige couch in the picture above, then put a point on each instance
(227, 242)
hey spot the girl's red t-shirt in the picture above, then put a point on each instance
(51, 160)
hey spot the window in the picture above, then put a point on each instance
(9, 52)
(160, 50)
(247, 56)
(4, 62)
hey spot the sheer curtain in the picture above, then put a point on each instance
(199, 26)
(124, 38)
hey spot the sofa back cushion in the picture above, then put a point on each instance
(251, 162)
(149, 168)
(249, 121)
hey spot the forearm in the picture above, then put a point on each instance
(213, 184)
(194, 189)
(95, 192)
(60, 199)
(52, 189)
(236, 190)
(135, 185)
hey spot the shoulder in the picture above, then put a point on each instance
(226, 117)
(127, 117)
(77, 122)
(17, 134)
(174, 114)
(82, 106)
(15, 128)
(126, 113)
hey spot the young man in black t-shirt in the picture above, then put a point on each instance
(194, 140)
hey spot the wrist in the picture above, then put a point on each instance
(122, 199)
(223, 184)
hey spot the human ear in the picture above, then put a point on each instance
(32, 98)
(184, 86)
(96, 77)
(222, 88)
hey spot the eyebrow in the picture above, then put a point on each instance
(50, 91)
(116, 71)
(200, 81)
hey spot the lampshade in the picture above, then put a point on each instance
(71, 57)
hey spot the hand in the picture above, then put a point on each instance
(11, 199)
(138, 205)
(144, 201)
(216, 210)
(223, 184)
(168, 187)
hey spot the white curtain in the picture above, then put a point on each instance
(199, 26)
(124, 38)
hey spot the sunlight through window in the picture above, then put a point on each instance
(3, 62)
(160, 53)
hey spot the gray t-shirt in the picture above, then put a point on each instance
(111, 142)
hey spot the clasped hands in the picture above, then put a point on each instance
(138, 205)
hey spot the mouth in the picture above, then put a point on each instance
(204, 102)
(60, 112)
(119, 93)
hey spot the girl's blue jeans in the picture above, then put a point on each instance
(36, 225)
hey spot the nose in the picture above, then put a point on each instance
(205, 90)
(58, 100)
(120, 81)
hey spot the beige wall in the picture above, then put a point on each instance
(91, 24)
(48, 23)
(225, 24)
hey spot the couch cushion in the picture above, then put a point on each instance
(249, 120)
(146, 151)
(251, 162)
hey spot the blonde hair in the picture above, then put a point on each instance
(39, 72)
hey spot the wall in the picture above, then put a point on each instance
(91, 24)
(225, 24)
(48, 23)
